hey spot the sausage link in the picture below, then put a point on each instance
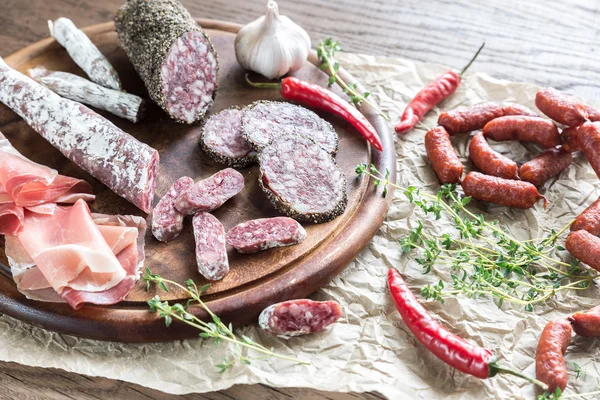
(589, 219)
(585, 247)
(561, 107)
(545, 166)
(593, 114)
(550, 366)
(587, 324)
(523, 128)
(589, 137)
(570, 138)
(467, 119)
(506, 192)
(442, 156)
(491, 162)
(517, 109)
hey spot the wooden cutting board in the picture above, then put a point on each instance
(255, 281)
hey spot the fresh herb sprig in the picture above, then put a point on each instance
(482, 257)
(326, 52)
(216, 329)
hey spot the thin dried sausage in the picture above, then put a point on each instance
(550, 365)
(442, 156)
(167, 222)
(589, 219)
(561, 107)
(523, 128)
(585, 247)
(211, 248)
(518, 109)
(265, 233)
(210, 193)
(467, 119)
(545, 166)
(491, 162)
(506, 192)
(589, 138)
(587, 324)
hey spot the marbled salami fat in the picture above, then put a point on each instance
(265, 233)
(302, 179)
(299, 317)
(223, 141)
(172, 55)
(125, 165)
(211, 248)
(264, 121)
(210, 193)
(167, 222)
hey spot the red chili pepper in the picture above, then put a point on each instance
(430, 96)
(315, 96)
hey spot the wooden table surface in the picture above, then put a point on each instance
(549, 42)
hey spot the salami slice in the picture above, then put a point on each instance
(125, 165)
(172, 55)
(299, 317)
(265, 233)
(167, 222)
(264, 121)
(302, 179)
(223, 141)
(211, 248)
(210, 193)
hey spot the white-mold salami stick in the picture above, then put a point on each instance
(167, 222)
(85, 54)
(79, 89)
(124, 164)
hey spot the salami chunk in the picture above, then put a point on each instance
(167, 222)
(211, 193)
(299, 317)
(302, 179)
(211, 249)
(264, 121)
(265, 233)
(172, 55)
(223, 141)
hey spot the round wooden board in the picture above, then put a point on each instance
(255, 281)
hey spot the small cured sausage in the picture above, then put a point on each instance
(467, 119)
(210, 193)
(167, 222)
(589, 138)
(442, 156)
(211, 248)
(545, 166)
(587, 324)
(491, 162)
(593, 113)
(570, 138)
(506, 192)
(589, 219)
(585, 247)
(299, 317)
(265, 233)
(523, 128)
(561, 107)
(518, 109)
(550, 365)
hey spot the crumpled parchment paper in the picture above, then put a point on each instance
(370, 349)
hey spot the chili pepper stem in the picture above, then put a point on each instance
(466, 67)
(263, 85)
(496, 368)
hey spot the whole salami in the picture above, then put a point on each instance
(442, 156)
(589, 219)
(167, 222)
(560, 107)
(585, 247)
(506, 192)
(211, 249)
(125, 165)
(265, 233)
(299, 317)
(550, 365)
(491, 162)
(467, 119)
(210, 193)
(587, 324)
(545, 166)
(523, 128)
(172, 55)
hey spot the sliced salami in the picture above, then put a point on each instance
(223, 141)
(299, 317)
(172, 55)
(125, 165)
(210, 193)
(167, 222)
(211, 248)
(265, 233)
(302, 179)
(264, 121)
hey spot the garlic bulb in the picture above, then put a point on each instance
(272, 45)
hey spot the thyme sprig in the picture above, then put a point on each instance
(215, 330)
(483, 259)
(326, 52)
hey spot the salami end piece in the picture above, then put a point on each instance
(441, 154)
(467, 119)
(265, 233)
(167, 222)
(489, 161)
(299, 317)
(506, 192)
(560, 107)
(523, 128)
(587, 324)
(589, 219)
(585, 247)
(211, 193)
(211, 247)
(545, 166)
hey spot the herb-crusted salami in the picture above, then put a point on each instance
(172, 55)
(167, 222)
(302, 179)
(265, 233)
(299, 317)
(211, 248)
(210, 193)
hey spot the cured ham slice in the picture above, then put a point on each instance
(11, 219)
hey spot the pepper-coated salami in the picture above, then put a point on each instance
(223, 141)
(587, 324)
(523, 128)
(589, 219)
(210, 193)
(85, 54)
(518, 109)
(167, 222)
(264, 121)
(125, 165)
(545, 166)
(561, 107)
(302, 179)
(589, 139)
(442, 156)
(585, 247)
(299, 317)
(211, 248)
(467, 119)
(265, 233)
(489, 161)
(172, 55)
(550, 365)
(506, 192)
